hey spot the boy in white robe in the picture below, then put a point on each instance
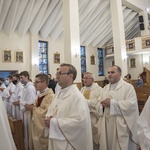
(68, 120)
(6, 95)
(16, 96)
(28, 97)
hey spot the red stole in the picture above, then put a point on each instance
(39, 101)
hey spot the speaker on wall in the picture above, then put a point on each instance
(141, 19)
(142, 26)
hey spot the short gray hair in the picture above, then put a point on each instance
(91, 74)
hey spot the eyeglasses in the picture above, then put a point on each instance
(61, 73)
(85, 78)
(36, 82)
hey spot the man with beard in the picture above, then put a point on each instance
(118, 122)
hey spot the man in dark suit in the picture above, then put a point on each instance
(52, 83)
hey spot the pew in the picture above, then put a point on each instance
(142, 98)
(16, 127)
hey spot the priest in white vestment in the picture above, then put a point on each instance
(6, 140)
(91, 92)
(68, 123)
(143, 129)
(118, 120)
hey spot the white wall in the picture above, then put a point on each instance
(138, 68)
(142, 58)
(92, 68)
(108, 63)
(29, 46)
(15, 43)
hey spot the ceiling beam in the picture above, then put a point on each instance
(4, 10)
(10, 19)
(46, 28)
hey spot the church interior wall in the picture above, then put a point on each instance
(15, 43)
(29, 45)
(92, 51)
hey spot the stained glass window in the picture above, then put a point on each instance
(83, 59)
(43, 56)
(100, 62)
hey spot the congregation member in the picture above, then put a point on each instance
(6, 139)
(139, 82)
(28, 97)
(91, 92)
(128, 79)
(6, 95)
(143, 129)
(16, 96)
(118, 123)
(37, 140)
(52, 83)
(68, 120)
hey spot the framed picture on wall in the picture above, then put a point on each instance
(19, 56)
(132, 63)
(7, 56)
(92, 60)
(147, 42)
(56, 58)
(130, 45)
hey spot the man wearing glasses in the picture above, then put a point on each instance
(68, 120)
(37, 141)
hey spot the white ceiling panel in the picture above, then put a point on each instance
(45, 17)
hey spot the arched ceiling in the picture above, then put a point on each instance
(46, 18)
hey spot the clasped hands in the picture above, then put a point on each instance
(16, 103)
(47, 121)
(106, 103)
(29, 107)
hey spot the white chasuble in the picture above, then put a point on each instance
(6, 140)
(70, 127)
(143, 129)
(117, 126)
